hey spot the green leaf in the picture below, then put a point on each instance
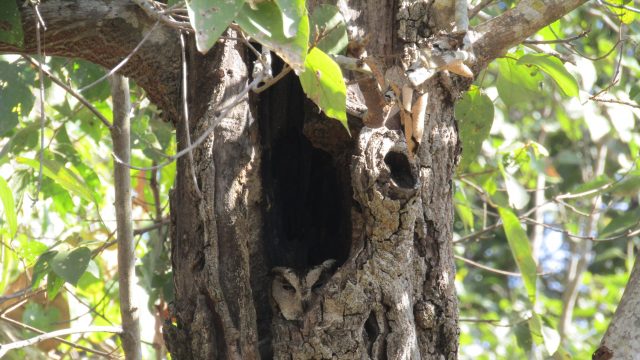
(327, 21)
(16, 99)
(619, 223)
(292, 12)
(517, 83)
(44, 319)
(625, 15)
(463, 208)
(521, 249)
(9, 207)
(23, 139)
(71, 265)
(629, 186)
(474, 113)
(42, 267)
(30, 249)
(518, 196)
(61, 175)
(265, 24)
(554, 68)
(323, 83)
(10, 23)
(210, 18)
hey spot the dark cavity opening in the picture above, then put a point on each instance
(400, 169)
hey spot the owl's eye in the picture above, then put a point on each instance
(288, 287)
(317, 285)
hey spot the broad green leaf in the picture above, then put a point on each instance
(16, 99)
(23, 139)
(542, 333)
(328, 24)
(265, 24)
(517, 83)
(44, 319)
(521, 249)
(554, 68)
(210, 18)
(463, 208)
(9, 206)
(10, 23)
(61, 175)
(626, 15)
(474, 113)
(518, 196)
(629, 186)
(42, 267)
(292, 12)
(30, 249)
(323, 83)
(624, 221)
(70, 265)
(54, 285)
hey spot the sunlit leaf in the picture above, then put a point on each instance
(9, 206)
(41, 318)
(70, 265)
(328, 24)
(518, 196)
(30, 249)
(323, 83)
(474, 113)
(517, 83)
(16, 99)
(10, 23)
(210, 18)
(61, 175)
(292, 12)
(265, 24)
(521, 249)
(554, 68)
(626, 220)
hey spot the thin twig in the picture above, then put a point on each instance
(154, 13)
(123, 62)
(72, 92)
(224, 112)
(56, 334)
(557, 41)
(10, 309)
(476, 9)
(620, 6)
(484, 267)
(39, 21)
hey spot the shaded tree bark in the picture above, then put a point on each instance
(283, 186)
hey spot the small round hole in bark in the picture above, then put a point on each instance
(400, 169)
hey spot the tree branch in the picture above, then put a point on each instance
(624, 325)
(54, 334)
(501, 33)
(105, 32)
(121, 135)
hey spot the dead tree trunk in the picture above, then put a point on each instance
(293, 189)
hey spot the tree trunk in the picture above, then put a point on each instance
(293, 189)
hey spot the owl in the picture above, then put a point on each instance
(293, 291)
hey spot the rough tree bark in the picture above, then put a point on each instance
(283, 186)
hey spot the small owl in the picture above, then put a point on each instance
(293, 291)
